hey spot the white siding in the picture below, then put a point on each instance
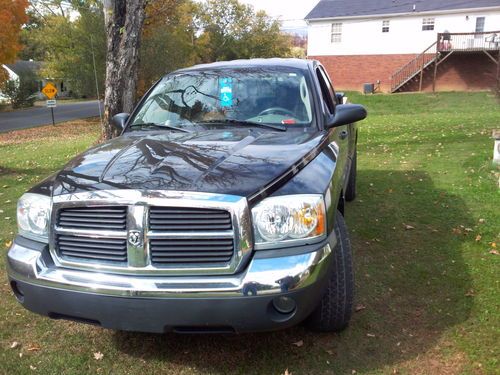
(365, 36)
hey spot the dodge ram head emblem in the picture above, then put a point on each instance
(134, 238)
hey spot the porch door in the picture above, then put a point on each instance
(480, 24)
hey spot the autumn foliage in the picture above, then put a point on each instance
(12, 17)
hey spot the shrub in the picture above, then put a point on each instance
(21, 92)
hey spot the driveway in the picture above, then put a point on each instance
(28, 118)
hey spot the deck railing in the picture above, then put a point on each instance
(489, 41)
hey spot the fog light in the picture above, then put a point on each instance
(284, 305)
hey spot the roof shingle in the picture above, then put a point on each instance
(353, 8)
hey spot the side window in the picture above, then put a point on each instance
(329, 85)
(428, 24)
(326, 91)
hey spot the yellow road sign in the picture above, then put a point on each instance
(49, 90)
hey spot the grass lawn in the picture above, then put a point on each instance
(423, 229)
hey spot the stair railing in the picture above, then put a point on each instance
(415, 66)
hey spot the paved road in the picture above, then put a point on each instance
(27, 118)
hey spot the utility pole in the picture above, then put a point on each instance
(96, 80)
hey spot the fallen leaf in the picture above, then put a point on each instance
(8, 243)
(14, 344)
(298, 344)
(478, 238)
(493, 245)
(494, 252)
(482, 221)
(470, 293)
(359, 307)
(331, 352)
(370, 335)
(33, 368)
(408, 227)
(287, 372)
(33, 348)
(468, 229)
(98, 356)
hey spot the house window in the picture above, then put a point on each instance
(336, 32)
(428, 24)
(480, 24)
(385, 26)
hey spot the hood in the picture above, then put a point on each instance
(239, 162)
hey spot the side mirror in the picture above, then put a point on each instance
(347, 114)
(118, 121)
(340, 97)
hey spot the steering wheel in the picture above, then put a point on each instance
(277, 110)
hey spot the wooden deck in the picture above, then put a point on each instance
(446, 45)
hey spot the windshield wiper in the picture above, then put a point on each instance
(152, 125)
(244, 122)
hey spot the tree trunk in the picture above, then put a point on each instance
(123, 21)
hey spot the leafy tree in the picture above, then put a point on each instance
(32, 48)
(265, 38)
(69, 44)
(12, 17)
(167, 40)
(232, 30)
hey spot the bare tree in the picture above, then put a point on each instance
(123, 20)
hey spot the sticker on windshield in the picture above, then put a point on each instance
(226, 92)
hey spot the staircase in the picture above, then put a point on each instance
(414, 68)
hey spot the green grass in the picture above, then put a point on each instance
(431, 293)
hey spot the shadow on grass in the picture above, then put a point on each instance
(411, 279)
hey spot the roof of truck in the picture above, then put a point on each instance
(252, 63)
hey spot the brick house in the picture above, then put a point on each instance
(407, 45)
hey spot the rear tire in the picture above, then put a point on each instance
(335, 308)
(350, 192)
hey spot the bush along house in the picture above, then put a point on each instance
(401, 45)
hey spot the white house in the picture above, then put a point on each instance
(12, 76)
(371, 41)
(18, 68)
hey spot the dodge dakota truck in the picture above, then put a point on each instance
(218, 208)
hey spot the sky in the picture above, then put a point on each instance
(291, 12)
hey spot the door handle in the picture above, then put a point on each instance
(343, 134)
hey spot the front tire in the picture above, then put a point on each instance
(335, 308)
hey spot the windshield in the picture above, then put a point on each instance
(231, 97)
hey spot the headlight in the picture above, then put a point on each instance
(33, 216)
(288, 220)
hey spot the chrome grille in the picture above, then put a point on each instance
(177, 219)
(96, 249)
(93, 218)
(184, 251)
(151, 232)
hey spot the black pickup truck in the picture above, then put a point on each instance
(219, 208)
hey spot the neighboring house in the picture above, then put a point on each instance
(19, 67)
(407, 45)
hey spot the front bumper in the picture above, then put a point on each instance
(238, 303)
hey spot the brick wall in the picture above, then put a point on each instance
(459, 72)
